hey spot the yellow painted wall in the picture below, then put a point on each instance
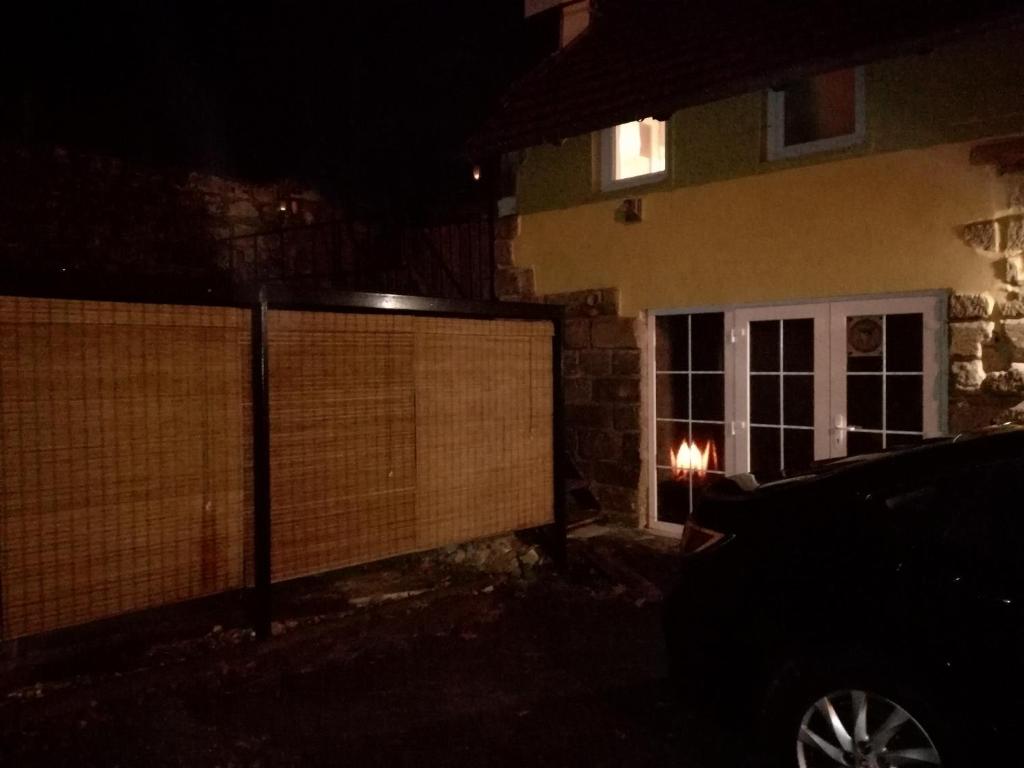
(880, 223)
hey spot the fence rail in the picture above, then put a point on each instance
(149, 434)
(452, 260)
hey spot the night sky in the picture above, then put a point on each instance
(369, 101)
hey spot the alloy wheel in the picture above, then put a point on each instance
(860, 729)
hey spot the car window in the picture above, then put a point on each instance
(985, 530)
(910, 520)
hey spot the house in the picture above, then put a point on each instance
(783, 231)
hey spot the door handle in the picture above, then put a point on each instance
(841, 426)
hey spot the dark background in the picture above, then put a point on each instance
(369, 101)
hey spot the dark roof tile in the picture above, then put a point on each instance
(651, 57)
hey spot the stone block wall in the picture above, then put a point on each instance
(601, 372)
(986, 332)
(511, 283)
(986, 350)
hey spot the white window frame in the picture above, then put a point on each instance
(819, 312)
(728, 458)
(936, 361)
(776, 135)
(607, 157)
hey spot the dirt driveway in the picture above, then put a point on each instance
(484, 670)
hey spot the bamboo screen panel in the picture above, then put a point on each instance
(391, 434)
(483, 428)
(124, 445)
(342, 440)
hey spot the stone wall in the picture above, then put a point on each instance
(986, 331)
(511, 283)
(602, 380)
(601, 374)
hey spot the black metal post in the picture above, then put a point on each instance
(494, 189)
(10, 647)
(261, 598)
(558, 546)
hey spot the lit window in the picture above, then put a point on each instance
(633, 153)
(816, 114)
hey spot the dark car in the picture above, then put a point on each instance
(868, 613)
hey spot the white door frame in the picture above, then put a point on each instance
(933, 304)
(650, 415)
(933, 343)
(743, 318)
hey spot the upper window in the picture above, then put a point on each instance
(633, 153)
(816, 114)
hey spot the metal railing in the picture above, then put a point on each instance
(447, 260)
(452, 260)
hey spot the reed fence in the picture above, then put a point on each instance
(156, 452)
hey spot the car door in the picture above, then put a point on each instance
(976, 582)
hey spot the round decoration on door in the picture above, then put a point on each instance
(864, 336)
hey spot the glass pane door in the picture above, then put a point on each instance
(782, 393)
(690, 409)
(884, 374)
(770, 390)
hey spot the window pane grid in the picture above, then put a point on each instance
(681, 373)
(698, 412)
(884, 381)
(782, 402)
(782, 352)
(861, 430)
(710, 471)
(689, 421)
(781, 373)
(892, 407)
(887, 373)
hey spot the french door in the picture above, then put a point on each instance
(834, 379)
(783, 388)
(885, 373)
(791, 385)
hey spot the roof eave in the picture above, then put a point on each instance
(491, 141)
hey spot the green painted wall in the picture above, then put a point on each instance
(956, 93)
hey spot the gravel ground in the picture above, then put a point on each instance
(479, 669)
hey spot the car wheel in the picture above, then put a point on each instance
(862, 729)
(823, 715)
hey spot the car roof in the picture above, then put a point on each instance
(959, 451)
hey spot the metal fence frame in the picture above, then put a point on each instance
(262, 298)
(445, 258)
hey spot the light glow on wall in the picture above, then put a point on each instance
(639, 148)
